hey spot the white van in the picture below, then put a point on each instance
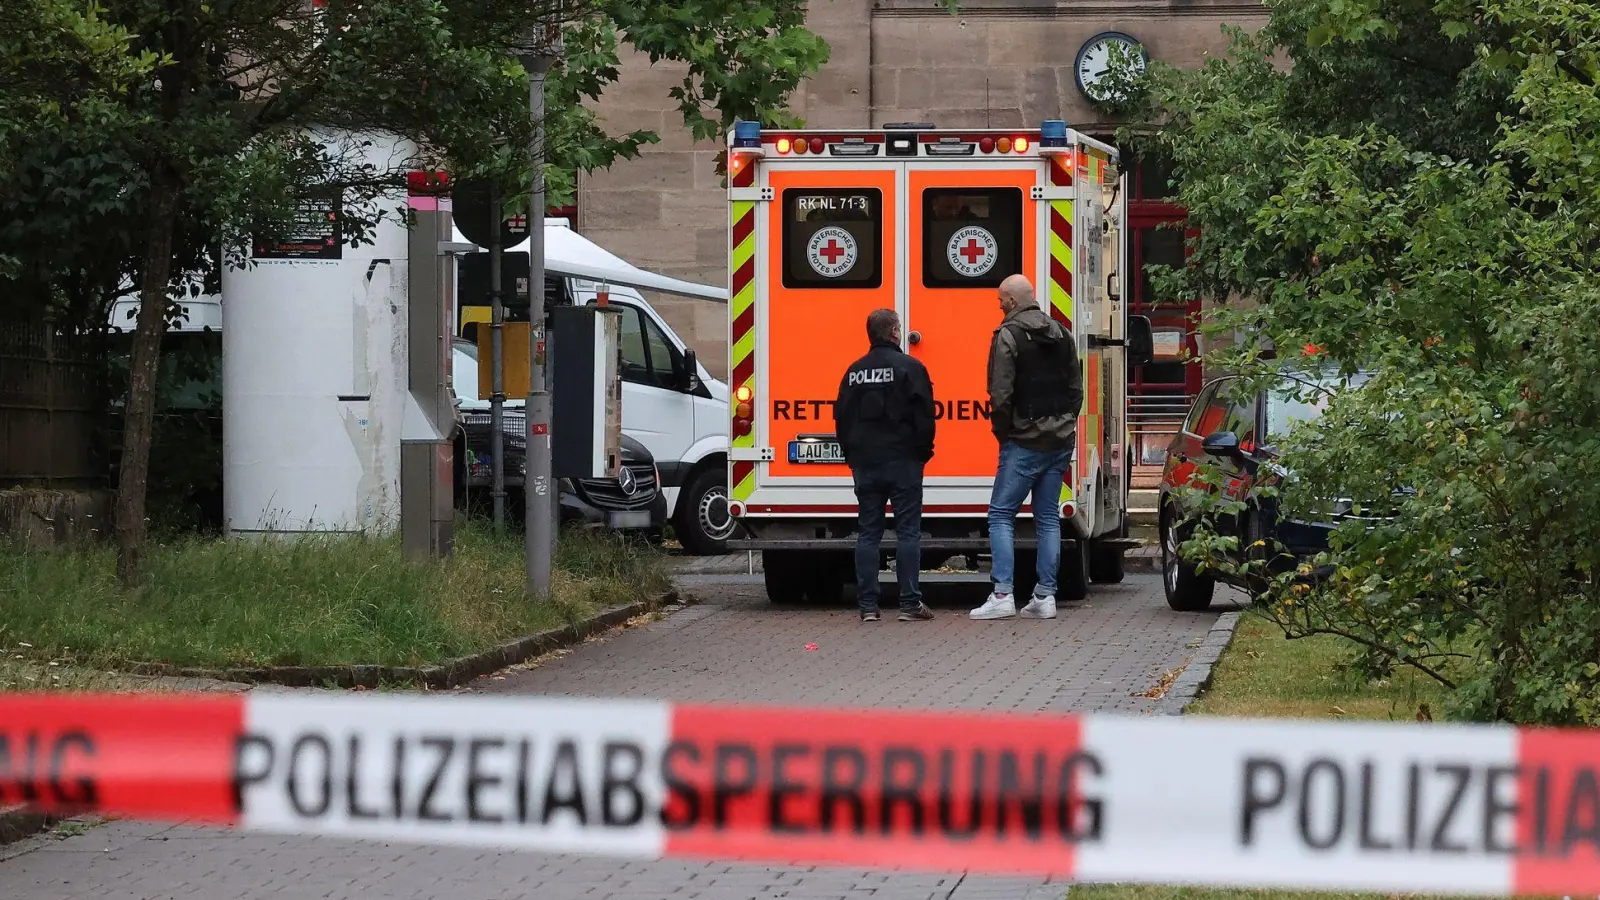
(670, 402)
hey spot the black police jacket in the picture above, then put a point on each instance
(885, 409)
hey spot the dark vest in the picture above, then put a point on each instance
(1044, 383)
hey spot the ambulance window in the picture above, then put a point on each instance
(971, 237)
(832, 238)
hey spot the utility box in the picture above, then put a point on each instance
(586, 389)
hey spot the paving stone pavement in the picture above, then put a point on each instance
(732, 646)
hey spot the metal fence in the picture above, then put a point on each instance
(49, 387)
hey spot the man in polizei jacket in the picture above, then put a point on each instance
(1035, 392)
(884, 420)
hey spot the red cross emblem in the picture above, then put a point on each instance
(971, 251)
(832, 252)
(519, 221)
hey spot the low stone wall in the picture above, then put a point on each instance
(40, 517)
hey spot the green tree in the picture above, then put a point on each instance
(1417, 194)
(211, 142)
(67, 69)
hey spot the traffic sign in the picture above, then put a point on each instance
(472, 215)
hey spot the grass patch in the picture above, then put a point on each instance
(1265, 675)
(314, 600)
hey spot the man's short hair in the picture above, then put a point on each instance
(881, 324)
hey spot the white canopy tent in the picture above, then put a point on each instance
(572, 255)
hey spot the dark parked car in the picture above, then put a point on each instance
(1238, 436)
(630, 502)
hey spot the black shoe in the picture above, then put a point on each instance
(871, 617)
(921, 614)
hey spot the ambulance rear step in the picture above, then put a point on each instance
(848, 543)
(840, 534)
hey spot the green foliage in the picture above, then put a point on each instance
(221, 96)
(1419, 195)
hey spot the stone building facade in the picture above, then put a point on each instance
(999, 64)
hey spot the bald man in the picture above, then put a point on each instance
(1035, 392)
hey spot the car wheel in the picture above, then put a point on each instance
(703, 523)
(783, 572)
(1186, 588)
(1074, 578)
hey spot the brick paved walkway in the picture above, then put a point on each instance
(734, 646)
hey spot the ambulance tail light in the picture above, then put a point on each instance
(736, 509)
(1003, 145)
(986, 145)
(1020, 145)
(783, 145)
(816, 145)
(1068, 510)
(801, 147)
(743, 410)
(1053, 137)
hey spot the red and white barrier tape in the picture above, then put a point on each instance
(1392, 807)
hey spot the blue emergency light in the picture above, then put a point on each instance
(1053, 133)
(747, 134)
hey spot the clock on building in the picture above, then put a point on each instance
(1093, 65)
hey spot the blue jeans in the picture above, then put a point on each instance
(901, 484)
(1023, 472)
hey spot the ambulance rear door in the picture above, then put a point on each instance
(971, 222)
(829, 233)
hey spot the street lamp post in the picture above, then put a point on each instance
(497, 384)
(539, 520)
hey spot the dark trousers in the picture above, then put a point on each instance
(899, 483)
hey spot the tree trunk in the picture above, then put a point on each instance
(138, 423)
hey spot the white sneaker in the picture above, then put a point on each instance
(998, 606)
(1039, 608)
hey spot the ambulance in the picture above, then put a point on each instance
(827, 226)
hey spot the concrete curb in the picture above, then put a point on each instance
(449, 674)
(18, 822)
(1196, 676)
(1144, 563)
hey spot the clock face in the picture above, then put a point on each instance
(1095, 59)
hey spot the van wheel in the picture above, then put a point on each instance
(1074, 574)
(1106, 562)
(1186, 588)
(784, 575)
(825, 577)
(1026, 576)
(702, 521)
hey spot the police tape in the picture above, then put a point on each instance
(1376, 806)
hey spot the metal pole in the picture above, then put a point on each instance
(538, 490)
(497, 400)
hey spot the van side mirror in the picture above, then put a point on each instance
(1223, 444)
(688, 371)
(1141, 341)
